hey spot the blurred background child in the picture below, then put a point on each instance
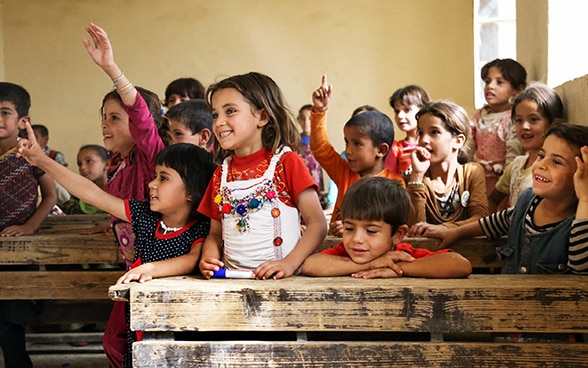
(190, 122)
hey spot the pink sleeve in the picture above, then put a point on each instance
(143, 129)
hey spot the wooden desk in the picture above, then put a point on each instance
(480, 304)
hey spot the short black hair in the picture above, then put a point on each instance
(510, 69)
(185, 87)
(16, 94)
(575, 135)
(99, 150)
(376, 125)
(41, 129)
(195, 114)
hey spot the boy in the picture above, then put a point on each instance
(19, 213)
(375, 212)
(190, 122)
(42, 136)
(548, 227)
(368, 137)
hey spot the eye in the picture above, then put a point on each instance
(518, 120)
(420, 133)
(557, 162)
(348, 228)
(540, 156)
(214, 116)
(371, 232)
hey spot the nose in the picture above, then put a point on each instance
(526, 125)
(401, 115)
(152, 184)
(357, 236)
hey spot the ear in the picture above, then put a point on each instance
(205, 135)
(459, 141)
(263, 118)
(399, 234)
(22, 121)
(382, 149)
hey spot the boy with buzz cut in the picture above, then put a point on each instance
(19, 213)
(375, 212)
(190, 122)
(368, 137)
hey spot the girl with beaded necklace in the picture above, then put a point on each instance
(256, 197)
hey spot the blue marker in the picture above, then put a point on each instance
(234, 274)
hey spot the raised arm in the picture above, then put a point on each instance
(74, 183)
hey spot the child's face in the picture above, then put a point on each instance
(43, 141)
(9, 121)
(175, 99)
(405, 116)
(167, 192)
(530, 125)
(497, 90)
(553, 171)
(91, 165)
(236, 127)
(361, 153)
(304, 121)
(115, 128)
(436, 139)
(365, 241)
(180, 133)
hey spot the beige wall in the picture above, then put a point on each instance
(367, 48)
(1, 44)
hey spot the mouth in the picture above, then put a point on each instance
(541, 179)
(107, 136)
(225, 134)
(153, 198)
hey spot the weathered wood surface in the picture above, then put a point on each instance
(71, 223)
(480, 303)
(65, 248)
(78, 285)
(357, 354)
(481, 252)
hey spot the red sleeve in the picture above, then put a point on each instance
(297, 176)
(196, 242)
(418, 252)
(128, 211)
(207, 207)
(337, 250)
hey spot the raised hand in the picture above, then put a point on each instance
(321, 96)
(100, 49)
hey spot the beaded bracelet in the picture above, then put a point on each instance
(117, 80)
(415, 183)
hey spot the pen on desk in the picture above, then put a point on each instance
(234, 274)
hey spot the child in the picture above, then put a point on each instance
(168, 230)
(42, 136)
(533, 112)
(375, 211)
(19, 213)
(190, 122)
(93, 161)
(368, 137)
(406, 102)
(183, 89)
(304, 148)
(494, 143)
(131, 135)
(444, 193)
(255, 197)
(547, 227)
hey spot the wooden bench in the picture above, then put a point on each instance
(345, 322)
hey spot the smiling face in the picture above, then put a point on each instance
(115, 128)
(236, 127)
(497, 90)
(437, 140)
(365, 241)
(530, 125)
(553, 171)
(362, 155)
(167, 192)
(91, 165)
(405, 116)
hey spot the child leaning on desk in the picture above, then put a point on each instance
(547, 227)
(375, 211)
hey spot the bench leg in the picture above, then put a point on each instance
(301, 336)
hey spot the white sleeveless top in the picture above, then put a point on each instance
(257, 227)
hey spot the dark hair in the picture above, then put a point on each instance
(575, 135)
(304, 107)
(548, 102)
(455, 119)
(262, 93)
(41, 129)
(194, 114)
(184, 87)
(16, 94)
(99, 150)
(195, 167)
(410, 95)
(376, 198)
(376, 125)
(510, 69)
(362, 109)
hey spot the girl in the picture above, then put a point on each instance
(169, 231)
(443, 192)
(533, 112)
(406, 102)
(131, 135)
(494, 143)
(255, 197)
(93, 161)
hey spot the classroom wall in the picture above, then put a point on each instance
(368, 49)
(1, 45)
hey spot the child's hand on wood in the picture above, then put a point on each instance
(321, 97)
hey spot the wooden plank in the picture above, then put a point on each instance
(480, 303)
(59, 249)
(72, 285)
(480, 251)
(357, 354)
(71, 223)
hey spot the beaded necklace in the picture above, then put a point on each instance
(168, 229)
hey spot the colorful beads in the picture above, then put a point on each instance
(218, 199)
(278, 241)
(241, 209)
(275, 212)
(271, 194)
(226, 209)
